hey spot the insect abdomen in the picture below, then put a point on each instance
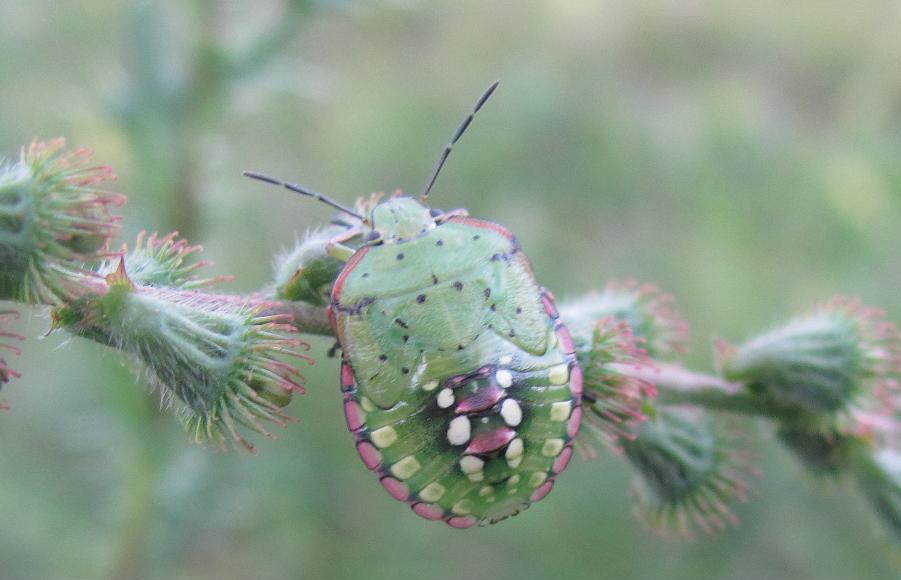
(480, 445)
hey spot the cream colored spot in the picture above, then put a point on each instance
(487, 490)
(479, 476)
(514, 453)
(432, 492)
(430, 386)
(559, 374)
(560, 410)
(367, 405)
(462, 507)
(514, 479)
(552, 447)
(384, 437)
(445, 398)
(511, 412)
(406, 467)
(506, 359)
(471, 464)
(458, 432)
(512, 490)
(537, 478)
(504, 378)
(514, 449)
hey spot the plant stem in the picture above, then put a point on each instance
(680, 386)
(675, 377)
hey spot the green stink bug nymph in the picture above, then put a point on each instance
(460, 382)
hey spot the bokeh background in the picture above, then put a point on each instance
(742, 155)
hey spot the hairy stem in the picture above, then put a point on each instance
(680, 386)
(675, 377)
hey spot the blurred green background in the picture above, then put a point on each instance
(742, 155)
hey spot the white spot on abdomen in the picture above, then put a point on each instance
(560, 411)
(432, 492)
(558, 374)
(471, 464)
(445, 398)
(537, 478)
(511, 412)
(514, 453)
(384, 437)
(406, 467)
(552, 447)
(459, 430)
(462, 507)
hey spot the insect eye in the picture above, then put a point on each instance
(434, 212)
(373, 235)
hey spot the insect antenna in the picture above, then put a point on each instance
(424, 196)
(303, 191)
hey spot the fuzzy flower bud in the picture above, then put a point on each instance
(842, 355)
(53, 219)
(216, 357)
(306, 273)
(162, 262)
(650, 313)
(688, 474)
(617, 399)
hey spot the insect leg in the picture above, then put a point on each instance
(336, 247)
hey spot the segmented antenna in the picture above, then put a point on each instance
(424, 196)
(303, 191)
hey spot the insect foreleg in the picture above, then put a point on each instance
(337, 248)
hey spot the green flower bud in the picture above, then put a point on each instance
(217, 358)
(840, 355)
(615, 398)
(306, 273)
(53, 219)
(688, 474)
(162, 262)
(650, 313)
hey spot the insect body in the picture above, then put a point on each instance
(461, 385)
